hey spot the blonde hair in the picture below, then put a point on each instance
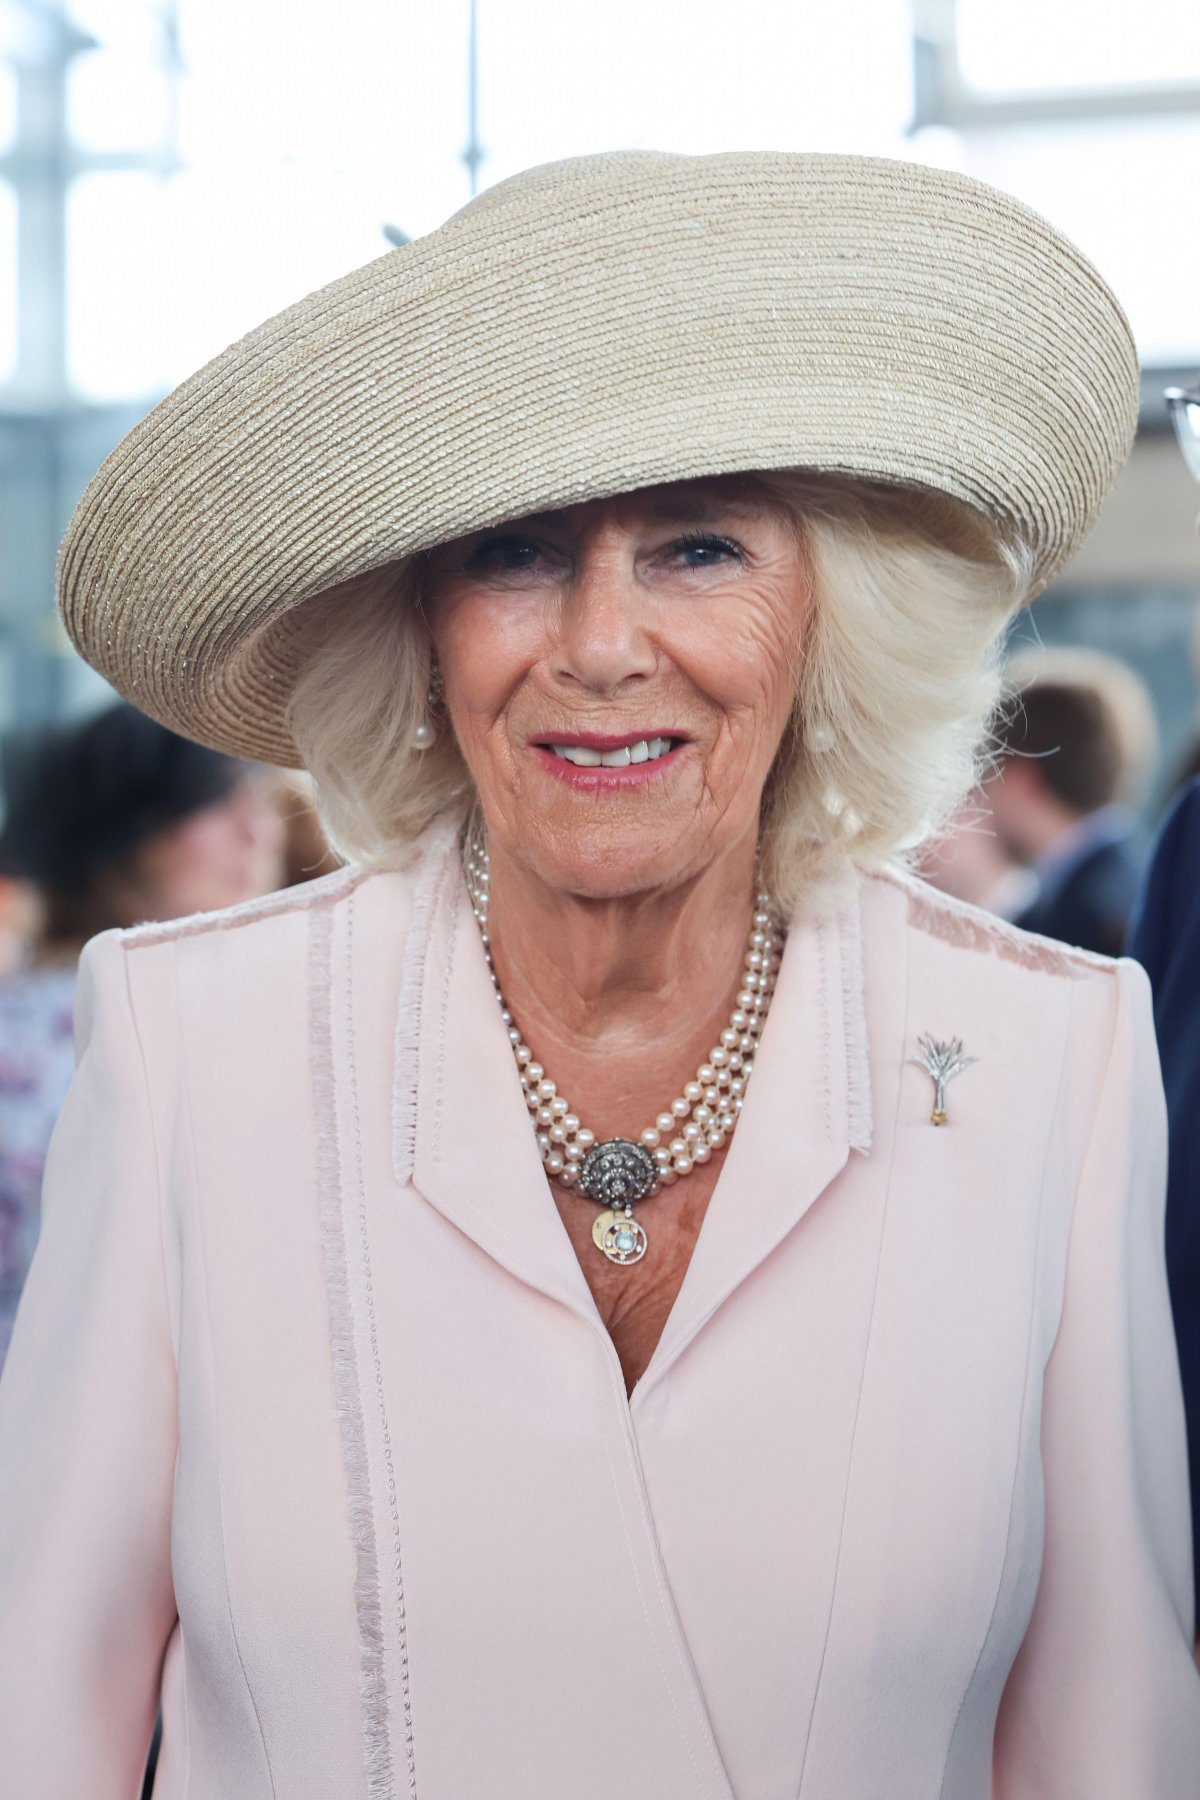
(898, 677)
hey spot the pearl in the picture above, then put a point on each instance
(573, 1153)
(754, 959)
(558, 1107)
(535, 1072)
(706, 1074)
(740, 1021)
(423, 736)
(691, 1132)
(701, 1151)
(650, 1137)
(554, 1163)
(682, 1165)
(681, 1108)
(557, 1135)
(667, 1177)
(523, 1054)
(571, 1122)
(692, 1092)
(662, 1157)
(585, 1138)
(678, 1146)
(514, 1036)
(543, 1143)
(570, 1174)
(729, 1037)
(702, 1114)
(718, 1056)
(544, 1116)
(712, 1095)
(665, 1122)
(547, 1089)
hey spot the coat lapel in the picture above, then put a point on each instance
(461, 1127)
(808, 1106)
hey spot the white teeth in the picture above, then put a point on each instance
(584, 757)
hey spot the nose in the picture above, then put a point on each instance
(602, 642)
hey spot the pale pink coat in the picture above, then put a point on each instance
(311, 1423)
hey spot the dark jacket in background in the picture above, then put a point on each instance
(1087, 891)
(1165, 939)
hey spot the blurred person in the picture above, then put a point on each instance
(18, 922)
(306, 851)
(627, 560)
(1164, 936)
(110, 823)
(967, 860)
(1074, 747)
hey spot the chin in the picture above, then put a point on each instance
(605, 862)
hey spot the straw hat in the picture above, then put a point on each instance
(586, 328)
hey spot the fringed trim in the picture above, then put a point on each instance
(304, 895)
(439, 863)
(860, 1120)
(347, 1394)
(954, 922)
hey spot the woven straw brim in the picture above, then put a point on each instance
(582, 330)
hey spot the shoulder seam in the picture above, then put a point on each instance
(968, 927)
(300, 898)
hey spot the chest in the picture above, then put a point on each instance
(635, 1302)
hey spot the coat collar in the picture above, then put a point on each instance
(461, 1131)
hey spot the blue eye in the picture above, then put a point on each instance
(704, 550)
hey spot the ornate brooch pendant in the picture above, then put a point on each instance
(620, 1237)
(617, 1174)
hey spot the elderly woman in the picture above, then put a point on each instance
(621, 1293)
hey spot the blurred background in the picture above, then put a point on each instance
(173, 171)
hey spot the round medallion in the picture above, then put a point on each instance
(619, 1236)
(617, 1173)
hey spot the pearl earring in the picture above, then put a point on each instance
(425, 734)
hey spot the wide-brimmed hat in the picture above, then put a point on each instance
(584, 329)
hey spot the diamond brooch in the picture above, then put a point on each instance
(942, 1062)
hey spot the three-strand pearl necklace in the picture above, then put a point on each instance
(620, 1172)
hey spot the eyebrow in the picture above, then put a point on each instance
(703, 508)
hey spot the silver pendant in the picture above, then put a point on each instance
(617, 1173)
(942, 1062)
(620, 1237)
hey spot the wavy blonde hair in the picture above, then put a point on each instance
(897, 681)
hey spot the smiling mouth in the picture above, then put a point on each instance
(619, 756)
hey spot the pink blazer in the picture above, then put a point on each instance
(311, 1426)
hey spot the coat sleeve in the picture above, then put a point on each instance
(88, 1434)
(1104, 1699)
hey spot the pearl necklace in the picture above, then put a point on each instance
(619, 1173)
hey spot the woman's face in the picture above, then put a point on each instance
(619, 675)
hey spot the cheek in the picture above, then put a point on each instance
(747, 664)
(484, 648)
